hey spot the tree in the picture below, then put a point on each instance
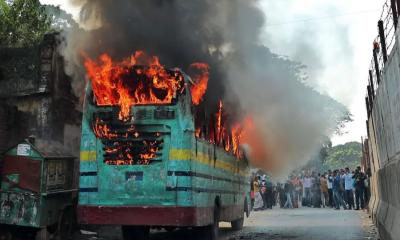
(336, 157)
(60, 19)
(346, 155)
(22, 23)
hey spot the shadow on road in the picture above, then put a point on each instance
(114, 233)
(186, 234)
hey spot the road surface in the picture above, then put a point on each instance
(281, 224)
(307, 224)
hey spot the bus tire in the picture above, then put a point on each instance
(135, 233)
(42, 234)
(237, 224)
(247, 208)
(5, 235)
(211, 232)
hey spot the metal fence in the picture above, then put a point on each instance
(382, 47)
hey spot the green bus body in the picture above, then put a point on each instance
(181, 187)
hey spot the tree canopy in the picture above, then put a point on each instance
(346, 155)
(336, 157)
(60, 19)
(22, 23)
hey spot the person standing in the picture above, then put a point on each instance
(316, 191)
(281, 193)
(269, 193)
(359, 187)
(254, 188)
(258, 200)
(342, 187)
(296, 191)
(307, 183)
(288, 192)
(330, 191)
(324, 191)
(264, 193)
(348, 185)
(338, 200)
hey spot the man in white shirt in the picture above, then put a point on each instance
(307, 183)
(348, 186)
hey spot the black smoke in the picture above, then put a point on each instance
(180, 32)
(225, 34)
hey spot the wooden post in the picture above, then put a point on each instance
(383, 40)
(371, 82)
(370, 100)
(377, 71)
(367, 105)
(394, 13)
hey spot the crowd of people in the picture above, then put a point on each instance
(336, 189)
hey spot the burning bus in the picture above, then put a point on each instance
(149, 156)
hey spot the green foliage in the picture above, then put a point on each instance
(347, 155)
(60, 19)
(337, 157)
(22, 23)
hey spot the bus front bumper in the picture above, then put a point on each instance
(145, 216)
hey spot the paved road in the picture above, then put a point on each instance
(281, 224)
(307, 224)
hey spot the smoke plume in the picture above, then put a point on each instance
(291, 118)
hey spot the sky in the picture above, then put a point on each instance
(333, 38)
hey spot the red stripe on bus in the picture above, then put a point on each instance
(154, 216)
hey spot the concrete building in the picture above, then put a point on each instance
(36, 98)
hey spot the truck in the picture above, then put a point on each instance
(37, 197)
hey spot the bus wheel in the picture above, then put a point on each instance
(42, 234)
(211, 232)
(135, 233)
(247, 208)
(237, 224)
(6, 235)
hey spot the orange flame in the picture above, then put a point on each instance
(223, 132)
(231, 135)
(145, 158)
(236, 138)
(140, 80)
(219, 122)
(101, 130)
(200, 82)
(254, 139)
(137, 80)
(198, 132)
